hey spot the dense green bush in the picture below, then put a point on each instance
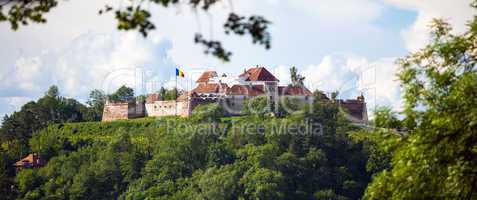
(287, 106)
(258, 106)
(208, 112)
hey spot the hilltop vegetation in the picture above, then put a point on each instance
(177, 158)
(52, 108)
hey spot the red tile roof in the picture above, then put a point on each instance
(258, 74)
(255, 90)
(355, 108)
(153, 97)
(211, 88)
(32, 160)
(206, 76)
(294, 90)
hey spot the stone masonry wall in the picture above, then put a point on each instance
(232, 105)
(115, 111)
(168, 108)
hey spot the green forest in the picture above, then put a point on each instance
(426, 151)
(300, 155)
(175, 158)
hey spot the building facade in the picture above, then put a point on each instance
(33, 160)
(231, 92)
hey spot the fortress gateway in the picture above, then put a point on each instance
(231, 93)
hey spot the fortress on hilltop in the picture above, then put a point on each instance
(231, 92)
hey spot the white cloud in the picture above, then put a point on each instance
(384, 90)
(282, 73)
(103, 61)
(11, 104)
(65, 22)
(350, 76)
(340, 11)
(334, 72)
(456, 12)
(28, 69)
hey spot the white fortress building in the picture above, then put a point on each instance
(231, 92)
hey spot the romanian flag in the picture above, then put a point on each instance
(179, 73)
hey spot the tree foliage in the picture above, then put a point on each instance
(179, 158)
(287, 106)
(20, 126)
(257, 106)
(208, 112)
(436, 158)
(96, 102)
(296, 79)
(53, 91)
(122, 94)
(384, 117)
(169, 94)
(34, 116)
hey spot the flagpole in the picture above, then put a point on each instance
(176, 91)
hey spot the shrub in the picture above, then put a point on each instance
(210, 111)
(258, 106)
(287, 106)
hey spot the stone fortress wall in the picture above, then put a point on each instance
(123, 110)
(168, 108)
(231, 93)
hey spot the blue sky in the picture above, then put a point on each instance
(345, 45)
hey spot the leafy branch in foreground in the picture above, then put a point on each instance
(436, 159)
(21, 12)
(136, 17)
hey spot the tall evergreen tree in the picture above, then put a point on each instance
(296, 78)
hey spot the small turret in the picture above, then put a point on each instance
(360, 98)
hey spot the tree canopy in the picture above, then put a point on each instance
(295, 77)
(436, 156)
(19, 127)
(181, 158)
(210, 112)
(169, 94)
(96, 101)
(258, 106)
(122, 94)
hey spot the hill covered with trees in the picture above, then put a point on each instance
(299, 156)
